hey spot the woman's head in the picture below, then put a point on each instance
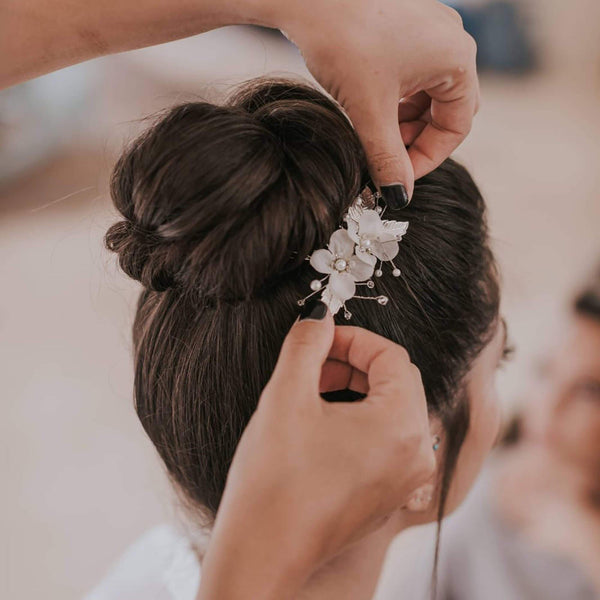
(221, 206)
(564, 408)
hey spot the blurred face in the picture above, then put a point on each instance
(563, 408)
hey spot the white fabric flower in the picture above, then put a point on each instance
(344, 268)
(374, 237)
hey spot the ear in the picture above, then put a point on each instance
(423, 499)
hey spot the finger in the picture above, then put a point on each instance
(395, 384)
(376, 124)
(337, 375)
(452, 110)
(450, 124)
(386, 364)
(411, 131)
(412, 107)
(304, 350)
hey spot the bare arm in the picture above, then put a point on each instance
(39, 36)
(404, 70)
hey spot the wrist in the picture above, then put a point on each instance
(267, 13)
(278, 14)
(241, 572)
(247, 558)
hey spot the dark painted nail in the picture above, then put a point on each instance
(314, 310)
(395, 196)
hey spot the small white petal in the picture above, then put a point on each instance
(369, 224)
(331, 301)
(353, 231)
(342, 286)
(365, 256)
(360, 270)
(341, 244)
(385, 250)
(322, 261)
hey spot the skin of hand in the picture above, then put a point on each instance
(404, 70)
(310, 477)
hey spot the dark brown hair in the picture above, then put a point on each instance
(221, 205)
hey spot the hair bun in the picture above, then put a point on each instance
(226, 200)
(141, 255)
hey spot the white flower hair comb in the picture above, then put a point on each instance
(352, 254)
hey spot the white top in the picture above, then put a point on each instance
(480, 558)
(161, 565)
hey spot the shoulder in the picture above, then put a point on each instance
(160, 565)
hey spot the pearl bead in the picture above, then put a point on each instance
(365, 243)
(396, 272)
(378, 273)
(315, 285)
(383, 300)
(370, 284)
(340, 264)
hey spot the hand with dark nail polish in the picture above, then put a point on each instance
(410, 100)
(303, 474)
(395, 196)
(313, 310)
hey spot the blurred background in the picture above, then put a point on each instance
(80, 480)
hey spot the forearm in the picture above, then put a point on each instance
(238, 573)
(39, 36)
(250, 559)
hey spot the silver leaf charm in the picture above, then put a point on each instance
(355, 211)
(395, 228)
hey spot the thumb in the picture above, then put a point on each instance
(389, 164)
(304, 350)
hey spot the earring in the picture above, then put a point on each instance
(436, 442)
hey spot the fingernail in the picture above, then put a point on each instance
(314, 310)
(395, 196)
